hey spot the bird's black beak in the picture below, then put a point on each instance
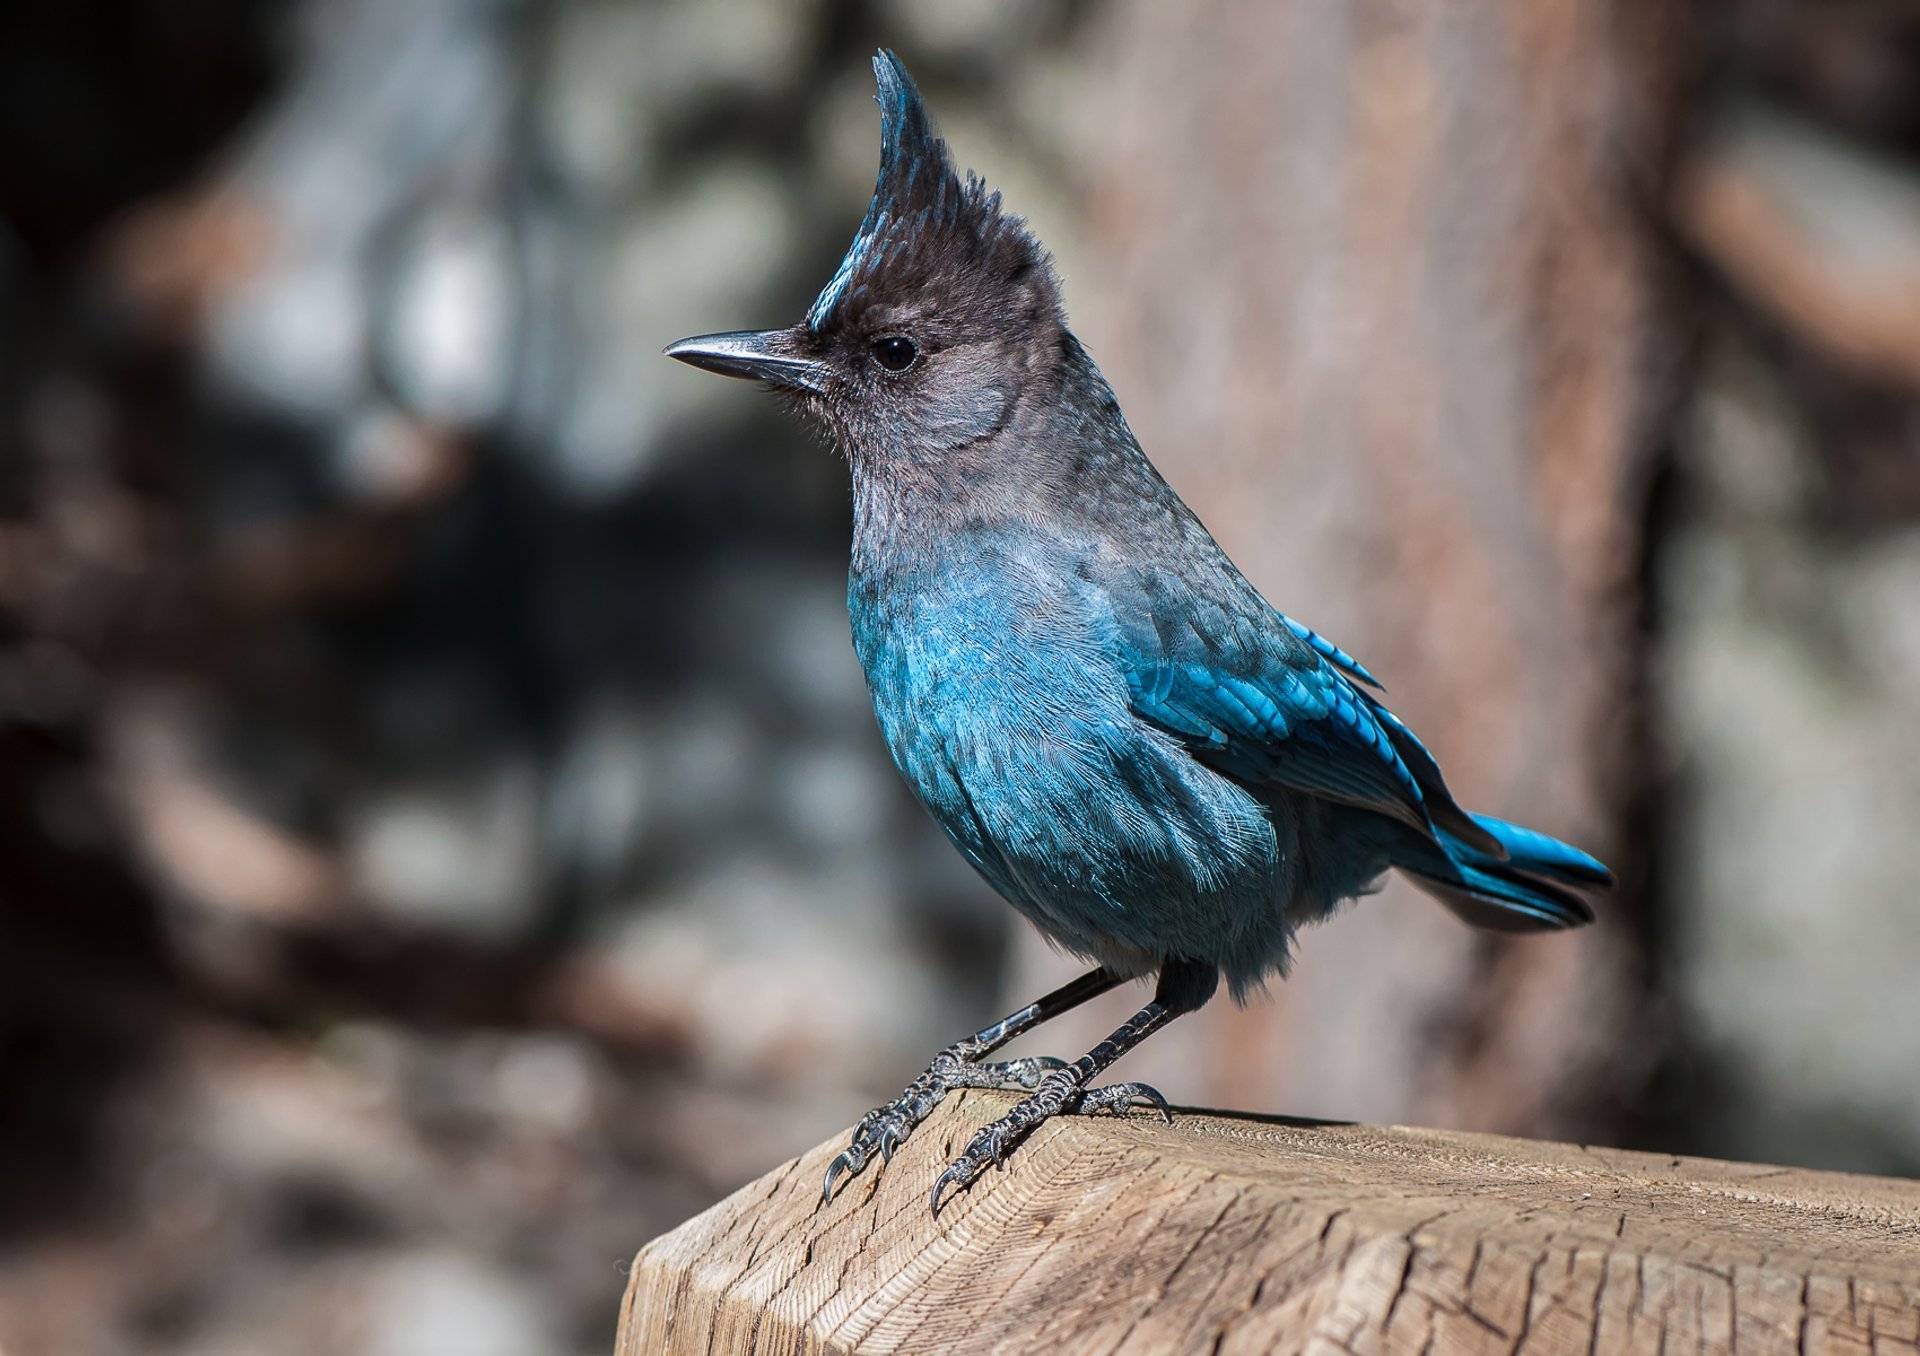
(763, 355)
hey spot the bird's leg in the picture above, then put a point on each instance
(885, 1128)
(1184, 986)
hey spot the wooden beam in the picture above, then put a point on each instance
(1229, 1234)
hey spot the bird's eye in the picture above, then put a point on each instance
(896, 352)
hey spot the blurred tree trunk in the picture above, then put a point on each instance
(1376, 296)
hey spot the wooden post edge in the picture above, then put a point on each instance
(1237, 1234)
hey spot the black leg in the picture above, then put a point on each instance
(1184, 987)
(885, 1128)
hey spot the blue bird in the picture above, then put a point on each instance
(1163, 773)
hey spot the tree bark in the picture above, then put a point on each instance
(1376, 298)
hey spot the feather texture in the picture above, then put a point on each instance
(1112, 725)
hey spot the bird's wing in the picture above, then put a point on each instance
(1330, 652)
(1264, 700)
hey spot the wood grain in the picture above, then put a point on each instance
(1229, 1234)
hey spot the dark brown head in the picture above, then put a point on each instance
(943, 313)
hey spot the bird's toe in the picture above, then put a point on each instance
(881, 1132)
(1117, 1099)
(1011, 1075)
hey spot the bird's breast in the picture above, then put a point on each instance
(1008, 716)
(961, 647)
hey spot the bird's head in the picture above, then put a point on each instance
(944, 311)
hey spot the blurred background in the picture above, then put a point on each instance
(443, 838)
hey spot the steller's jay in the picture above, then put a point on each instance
(1159, 770)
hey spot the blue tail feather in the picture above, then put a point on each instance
(1540, 883)
(1535, 853)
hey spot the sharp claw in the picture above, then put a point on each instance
(947, 1179)
(1150, 1099)
(1118, 1098)
(882, 1131)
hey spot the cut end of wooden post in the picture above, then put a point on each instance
(1239, 1234)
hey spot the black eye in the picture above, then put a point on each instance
(895, 353)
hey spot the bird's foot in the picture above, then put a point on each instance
(1060, 1093)
(885, 1128)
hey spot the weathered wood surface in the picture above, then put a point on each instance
(1233, 1234)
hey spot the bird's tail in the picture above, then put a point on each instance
(1541, 883)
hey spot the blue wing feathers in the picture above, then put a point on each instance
(1288, 708)
(1330, 652)
(1305, 728)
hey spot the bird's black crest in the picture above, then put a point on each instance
(924, 218)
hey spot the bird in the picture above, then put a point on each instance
(1165, 774)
